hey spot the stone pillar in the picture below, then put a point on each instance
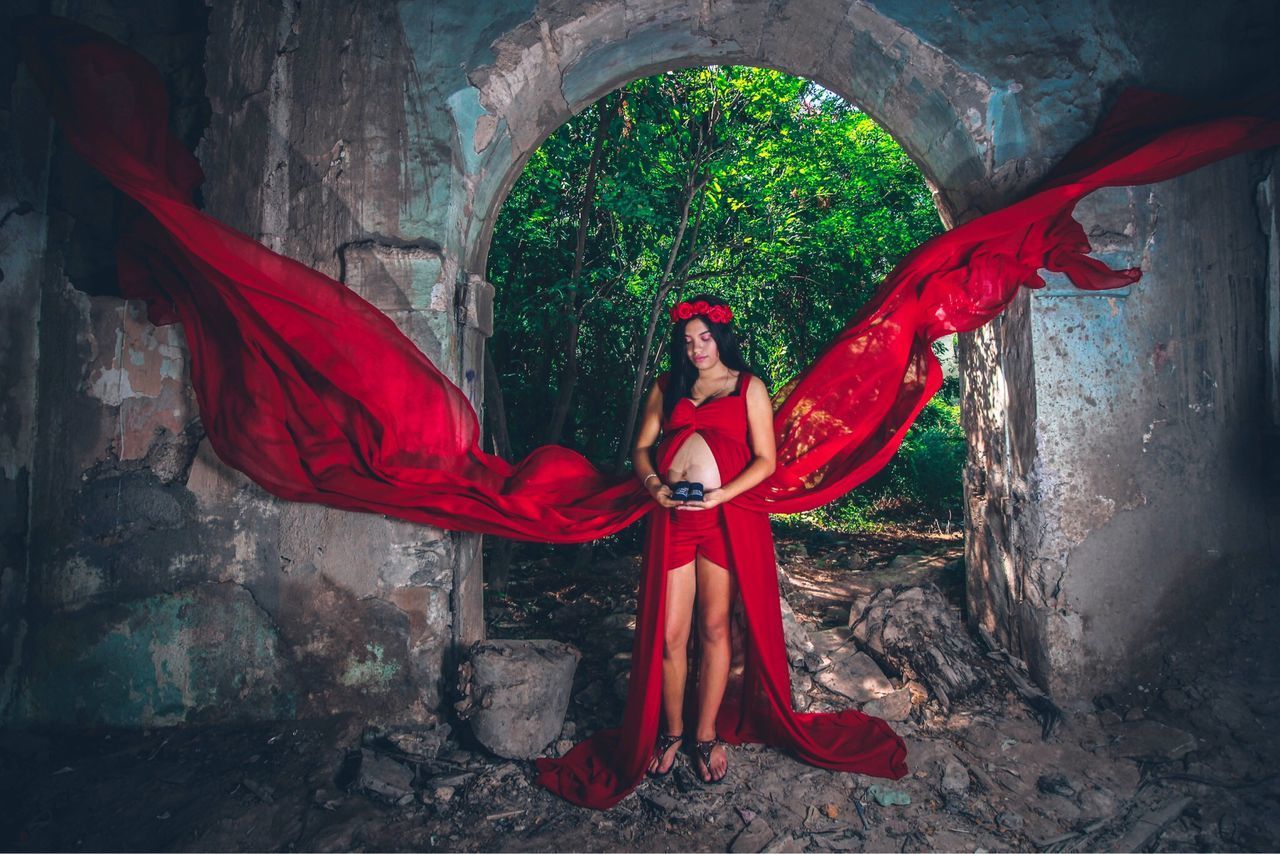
(1113, 484)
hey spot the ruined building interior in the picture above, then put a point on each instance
(1120, 486)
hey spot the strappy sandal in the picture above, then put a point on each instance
(665, 743)
(704, 749)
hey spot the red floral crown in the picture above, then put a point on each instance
(714, 313)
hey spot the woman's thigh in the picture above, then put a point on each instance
(682, 588)
(716, 587)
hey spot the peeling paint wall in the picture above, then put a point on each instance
(142, 581)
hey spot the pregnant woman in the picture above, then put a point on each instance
(709, 381)
(709, 583)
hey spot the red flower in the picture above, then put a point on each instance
(684, 311)
(701, 307)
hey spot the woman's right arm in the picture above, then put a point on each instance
(642, 450)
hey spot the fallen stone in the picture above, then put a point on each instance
(858, 608)
(520, 693)
(755, 837)
(894, 706)
(915, 632)
(856, 677)
(263, 792)
(1056, 784)
(905, 563)
(797, 638)
(1234, 713)
(1151, 738)
(786, 843)
(384, 778)
(955, 778)
(1176, 699)
(829, 641)
(452, 781)
(659, 800)
(1013, 821)
(1097, 802)
(1150, 824)
(423, 743)
(887, 797)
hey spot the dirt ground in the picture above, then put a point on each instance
(1187, 764)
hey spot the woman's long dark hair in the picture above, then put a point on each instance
(683, 372)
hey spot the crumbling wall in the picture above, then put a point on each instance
(155, 585)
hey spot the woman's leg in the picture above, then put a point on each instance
(715, 593)
(681, 587)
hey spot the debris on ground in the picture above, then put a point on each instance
(1186, 764)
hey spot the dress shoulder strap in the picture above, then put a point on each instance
(743, 377)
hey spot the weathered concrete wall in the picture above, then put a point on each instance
(375, 141)
(1149, 426)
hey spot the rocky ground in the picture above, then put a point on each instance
(1188, 764)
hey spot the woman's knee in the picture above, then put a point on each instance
(675, 643)
(713, 629)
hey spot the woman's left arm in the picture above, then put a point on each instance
(763, 448)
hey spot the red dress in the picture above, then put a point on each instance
(603, 769)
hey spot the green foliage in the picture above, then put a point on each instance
(922, 479)
(806, 205)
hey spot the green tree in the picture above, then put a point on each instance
(767, 189)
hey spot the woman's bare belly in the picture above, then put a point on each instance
(694, 462)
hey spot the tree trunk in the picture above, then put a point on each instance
(572, 316)
(665, 284)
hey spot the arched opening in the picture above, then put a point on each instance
(767, 190)
(544, 73)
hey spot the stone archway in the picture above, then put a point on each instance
(550, 68)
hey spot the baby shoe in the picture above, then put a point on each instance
(695, 491)
(680, 492)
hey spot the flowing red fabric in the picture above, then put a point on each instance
(317, 396)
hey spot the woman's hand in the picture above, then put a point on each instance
(711, 499)
(661, 493)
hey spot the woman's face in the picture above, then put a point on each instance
(699, 346)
